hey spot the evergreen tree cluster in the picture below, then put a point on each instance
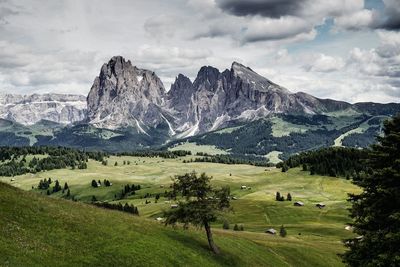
(239, 227)
(125, 208)
(57, 158)
(279, 197)
(129, 190)
(333, 161)
(232, 159)
(154, 153)
(376, 210)
(44, 184)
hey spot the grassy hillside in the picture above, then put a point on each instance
(42, 231)
(314, 235)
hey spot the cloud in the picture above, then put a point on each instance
(59, 46)
(381, 61)
(323, 63)
(391, 20)
(358, 20)
(26, 70)
(162, 26)
(272, 20)
(388, 18)
(266, 8)
(275, 29)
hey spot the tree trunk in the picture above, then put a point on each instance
(211, 243)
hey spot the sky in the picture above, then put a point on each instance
(344, 49)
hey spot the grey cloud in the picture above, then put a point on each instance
(163, 26)
(266, 8)
(387, 19)
(391, 20)
(6, 12)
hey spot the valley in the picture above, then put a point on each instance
(313, 235)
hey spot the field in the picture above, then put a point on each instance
(314, 235)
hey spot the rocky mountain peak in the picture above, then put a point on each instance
(206, 76)
(123, 94)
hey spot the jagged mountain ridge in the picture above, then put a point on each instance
(238, 94)
(129, 108)
(126, 96)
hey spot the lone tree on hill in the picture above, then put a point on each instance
(376, 211)
(202, 203)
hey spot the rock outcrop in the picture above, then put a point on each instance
(126, 96)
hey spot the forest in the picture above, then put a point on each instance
(332, 161)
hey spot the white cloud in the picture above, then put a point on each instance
(59, 46)
(323, 63)
(356, 21)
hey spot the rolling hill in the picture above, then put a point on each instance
(51, 230)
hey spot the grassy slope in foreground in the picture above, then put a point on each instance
(40, 231)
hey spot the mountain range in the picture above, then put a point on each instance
(129, 108)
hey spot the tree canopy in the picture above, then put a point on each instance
(376, 211)
(201, 203)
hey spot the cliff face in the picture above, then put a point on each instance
(125, 96)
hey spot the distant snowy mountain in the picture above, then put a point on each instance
(30, 109)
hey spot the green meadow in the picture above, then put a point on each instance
(314, 236)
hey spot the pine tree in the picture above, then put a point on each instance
(278, 196)
(136, 211)
(57, 186)
(285, 167)
(68, 193)
(236, 227)
(225, 225)
(116, 164)
(94, 183)
(282, 231)
(376, 211)
(66, 186)
(241, 227)
(48, 192)
(305, 167)
(289, 197)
